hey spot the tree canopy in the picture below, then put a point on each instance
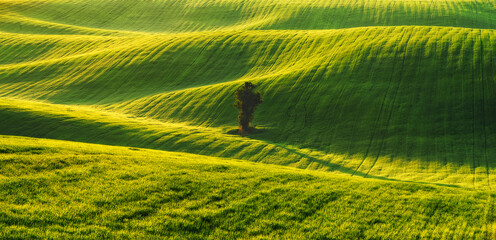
(246, 101)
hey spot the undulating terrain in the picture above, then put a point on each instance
(378, 121)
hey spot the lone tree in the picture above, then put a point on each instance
(246, 101)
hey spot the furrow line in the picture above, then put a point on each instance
(392, 104)
(378, 116)
(473, 121)
(483, 107)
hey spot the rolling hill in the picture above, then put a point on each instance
(56, 189)
(398, 90)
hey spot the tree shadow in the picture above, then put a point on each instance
(259, 133)
(252, 131)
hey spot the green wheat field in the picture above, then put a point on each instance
(378, 120)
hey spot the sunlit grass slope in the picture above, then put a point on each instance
(395, 89)
(80, 16)
(59, 190)
(374, 95)
(87, 125)
(391, 96)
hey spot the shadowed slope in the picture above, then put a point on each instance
(418, 94)
(86, 125)
(107, 69)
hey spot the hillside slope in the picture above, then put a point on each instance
(59, 190)
(173, 16)
(395, 89)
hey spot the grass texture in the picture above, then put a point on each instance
(58, 189)
(368, 99)
(396, 90)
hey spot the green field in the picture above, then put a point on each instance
(378, 121)
(57, 189)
